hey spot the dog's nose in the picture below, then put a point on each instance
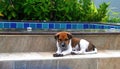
(63, 44)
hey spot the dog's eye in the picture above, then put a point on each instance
(66, 39)
(60, 40)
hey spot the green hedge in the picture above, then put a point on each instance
(53, 10)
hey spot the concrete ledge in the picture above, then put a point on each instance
(105, 59)
(30, 56)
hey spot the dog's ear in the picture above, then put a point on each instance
(56, 36)
(69, 35)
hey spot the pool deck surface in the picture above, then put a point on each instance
(27, 56)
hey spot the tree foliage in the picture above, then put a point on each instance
(53, 10)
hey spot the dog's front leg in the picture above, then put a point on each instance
(68, 51)
(58, 52)
(76, 52)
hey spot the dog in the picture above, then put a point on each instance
(67, 44)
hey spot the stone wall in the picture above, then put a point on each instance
(45, 43)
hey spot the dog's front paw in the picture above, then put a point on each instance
(57, 55)
(73, 53)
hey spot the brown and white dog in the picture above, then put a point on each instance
(67, 44)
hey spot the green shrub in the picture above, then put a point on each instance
(25, 9)
(7, 9)
(66, 10)
(114, 18)
(53, 10)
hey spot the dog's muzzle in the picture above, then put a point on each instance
(63, 46)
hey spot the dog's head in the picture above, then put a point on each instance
(63, 38)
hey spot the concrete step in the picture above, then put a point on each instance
(49, 56)
(104, 59)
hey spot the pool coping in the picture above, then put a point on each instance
(52, 33)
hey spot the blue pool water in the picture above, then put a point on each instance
(56, 25)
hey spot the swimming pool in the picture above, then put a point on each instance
(52, 27)
(56, 25)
